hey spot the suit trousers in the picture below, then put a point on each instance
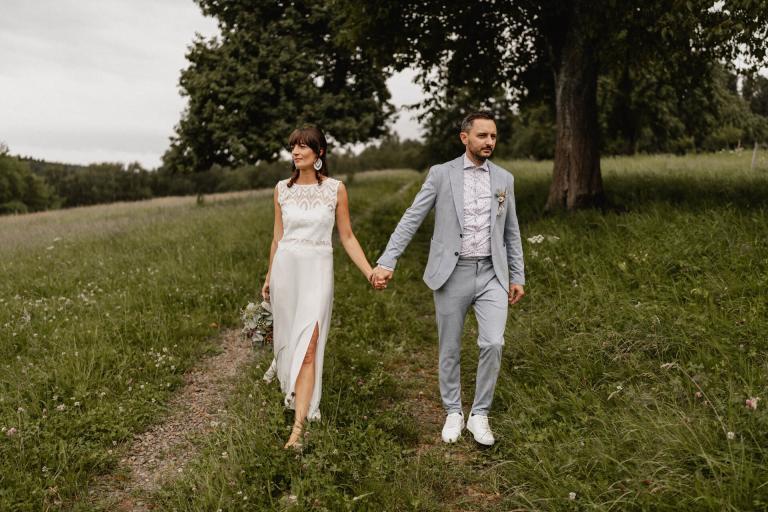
(472, 283)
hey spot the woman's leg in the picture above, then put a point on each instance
(305, 385)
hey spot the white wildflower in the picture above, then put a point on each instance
(536, 239)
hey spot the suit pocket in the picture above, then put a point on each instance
(436, 250)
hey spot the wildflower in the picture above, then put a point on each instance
(536, 239)
(61, 407)
(571, 495)
(77, 404)
(224, 455)
(698, 394)
(731, 436)
(11, 432)
(751, 403)
(20, 410)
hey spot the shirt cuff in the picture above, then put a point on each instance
(386, 267)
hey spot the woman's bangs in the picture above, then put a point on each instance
(299, 136)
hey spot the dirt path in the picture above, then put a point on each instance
(420, 370)
(162, 452)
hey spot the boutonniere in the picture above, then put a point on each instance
(501, 197)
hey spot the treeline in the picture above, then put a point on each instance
(638, 112)
(21, 190)
(28, 185)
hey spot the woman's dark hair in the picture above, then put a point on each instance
(314, 138)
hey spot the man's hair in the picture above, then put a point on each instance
(466, 123)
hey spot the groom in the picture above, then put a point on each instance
(475, 259)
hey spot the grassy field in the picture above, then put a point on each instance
(623, 382)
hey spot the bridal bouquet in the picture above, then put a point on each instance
(257, 323)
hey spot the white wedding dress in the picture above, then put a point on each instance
(301, 282)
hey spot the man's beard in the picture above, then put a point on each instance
(479, 156)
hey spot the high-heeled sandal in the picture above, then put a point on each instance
(298, 445)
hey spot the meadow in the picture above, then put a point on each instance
(624, 382)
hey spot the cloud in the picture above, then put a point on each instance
(85, 80)
(86, 76)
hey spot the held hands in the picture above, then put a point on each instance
(379, 278)
(516, 293)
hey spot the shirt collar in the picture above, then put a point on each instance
(468, 164)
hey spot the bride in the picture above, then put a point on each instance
(299, 282)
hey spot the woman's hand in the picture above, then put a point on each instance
(265, 290)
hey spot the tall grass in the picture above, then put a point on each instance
(625, 369)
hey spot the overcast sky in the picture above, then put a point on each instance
(86, 81)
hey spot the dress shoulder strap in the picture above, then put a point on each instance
(333, 186)
(282, 189)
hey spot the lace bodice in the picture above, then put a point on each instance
(309, 212)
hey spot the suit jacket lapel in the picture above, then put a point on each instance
(457, 187)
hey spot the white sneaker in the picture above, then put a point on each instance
(480, 428)
(454, 423)
(269, 375)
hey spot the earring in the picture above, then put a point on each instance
(318, 164)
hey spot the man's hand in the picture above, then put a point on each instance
(380, 277)
(516, 293)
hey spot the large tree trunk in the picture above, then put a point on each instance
(576, 179)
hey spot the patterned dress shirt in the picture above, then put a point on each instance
(476, 237)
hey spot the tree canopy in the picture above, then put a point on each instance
(569, 78)
(274, 66)
(22, 191)
(487, 49)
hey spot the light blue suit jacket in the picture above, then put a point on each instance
(443, 190)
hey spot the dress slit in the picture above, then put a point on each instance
(296, 363)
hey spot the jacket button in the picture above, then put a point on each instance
(455, 254)
(461, 236)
